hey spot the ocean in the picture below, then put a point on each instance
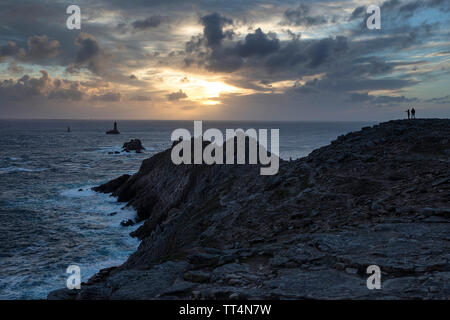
(49, 217)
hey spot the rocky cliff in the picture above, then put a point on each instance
(379, 196)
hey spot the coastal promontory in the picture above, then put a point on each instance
(379, 196)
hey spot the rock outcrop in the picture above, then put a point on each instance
(133, 145)
(379, 196)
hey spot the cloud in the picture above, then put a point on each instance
(321, 50)
(302, 17)
(440, 100)
(259, 50)
(89, 55)
(41, 47)
(107, 97)
(73, 93)
(357, 84)
(175, 96)
(213, 28)
(381, 100)
(141, 98)
(359, 12)
(241, 43)
(258, 43)
(9, 50)
(44, 87)
(188, 108)
(14, 68)
(38, 48)
(149, 22)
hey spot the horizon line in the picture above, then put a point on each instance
(210, 120)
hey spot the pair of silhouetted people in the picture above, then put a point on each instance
(411, 114)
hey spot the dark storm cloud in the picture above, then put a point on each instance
(25, 87)
(89, 55)
(290, 54)
(149, 22)
(321, 50)
(45, 87)
(175, 96)
(259, 44)
(310, 53)
(10, 50)
(89, 48)
(276, 54)
(41, 47)
(359, 12)
(213, 28)
(302, 17)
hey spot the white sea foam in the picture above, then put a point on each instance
(107, 149)
(95, 208)
(102, 204)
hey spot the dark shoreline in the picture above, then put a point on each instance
(221, 232)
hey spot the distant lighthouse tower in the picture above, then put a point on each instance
(115, 130)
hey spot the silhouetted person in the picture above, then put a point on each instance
(413, 113)
(115, 126)
(68, 129)
(407, 111)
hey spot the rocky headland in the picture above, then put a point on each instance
(378, 196)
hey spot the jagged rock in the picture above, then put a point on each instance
(133, 145)
(376, 196)
(112, 185)
(197, 276)
(127, 223)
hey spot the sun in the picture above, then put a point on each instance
(203, 89)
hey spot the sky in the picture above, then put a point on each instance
(224, 60)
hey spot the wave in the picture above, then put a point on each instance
(114, 149)
(11, 169)
(102, 204)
